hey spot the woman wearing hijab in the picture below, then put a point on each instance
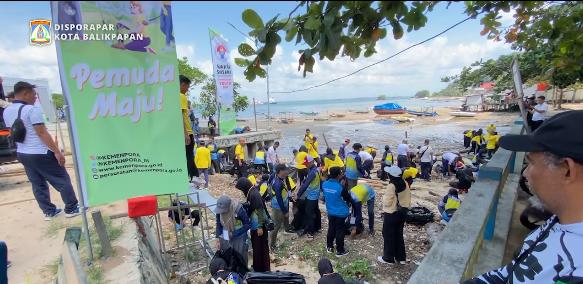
(232, 226)
(256, 211)
(327, 274)
(396, 202)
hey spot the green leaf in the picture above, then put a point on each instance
(252, 19)
(246, 50)
(383, 33)
(397, 30)
(250, 73)
(291, 34)
(242, 62)
(260, 72)
(313, 23)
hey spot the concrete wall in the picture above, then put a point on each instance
(267, 138)
(150, 262)
(454, 256)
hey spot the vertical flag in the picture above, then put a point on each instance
(223, 75)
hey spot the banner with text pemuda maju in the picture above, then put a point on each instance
(123, 93)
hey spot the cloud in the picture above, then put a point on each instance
(418, 68)
(30, 62)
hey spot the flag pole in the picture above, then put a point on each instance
(217, 103)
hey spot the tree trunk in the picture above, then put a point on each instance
(560, 99)
(554, 97)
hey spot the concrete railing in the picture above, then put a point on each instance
(453, 257)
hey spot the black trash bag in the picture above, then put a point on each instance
(419, 216)
(234, 260)
(279, 277)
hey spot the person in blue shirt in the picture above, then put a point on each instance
(360, 194)
(310, 192)
(232, 226)
(337, 201)
(215, 163)
(281, 188)
(353, 165)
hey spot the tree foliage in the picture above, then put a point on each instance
(352, 28)
(58, 100)
(499, 71)
(191, 72)
(329, 28)
(422, 94)
(207, 102)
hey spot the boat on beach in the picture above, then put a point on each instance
(389, 108)
(403, 119)
(422, 113)
(463, 114)
(313, 113)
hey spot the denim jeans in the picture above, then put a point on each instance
(357, 212)
(205, 172)
(41, 169)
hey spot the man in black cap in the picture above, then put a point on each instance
(39, 154)
(553, 253)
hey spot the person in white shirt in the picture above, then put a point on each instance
(403, 152)
(367, 162)
(39, 154)
(426, 158)
(448, 162)
(539, 112)
(272, 157)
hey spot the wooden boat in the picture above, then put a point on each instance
(313, 113)
(403, 119)
(321, 119)
(386, 111)
(463, 114)
(389, 108)
(422, 113)
(337, 115)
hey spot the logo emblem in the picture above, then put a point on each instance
(40, 32)
(221, 51)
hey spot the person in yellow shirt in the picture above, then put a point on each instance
(188, 135)
(371, 150)
(313, 150)
(477, 141)
(203, 161)
(331, 160)
(410, 174)
(492, 145)
(301, 163)
(240, 166)
(491, 128)
(308, 137)
(260, 162)
(468, 135)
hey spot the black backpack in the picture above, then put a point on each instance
(18, 130)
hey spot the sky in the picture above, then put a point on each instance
(416, 69)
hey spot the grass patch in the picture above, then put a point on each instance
(113, 231)
(358, 269)
(55, 226)
(95, 274)
(52, 268)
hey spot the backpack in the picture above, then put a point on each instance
(18, 130)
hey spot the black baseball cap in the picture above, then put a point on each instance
(560, 135)
(21, 86)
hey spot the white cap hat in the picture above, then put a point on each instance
(393, 170)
